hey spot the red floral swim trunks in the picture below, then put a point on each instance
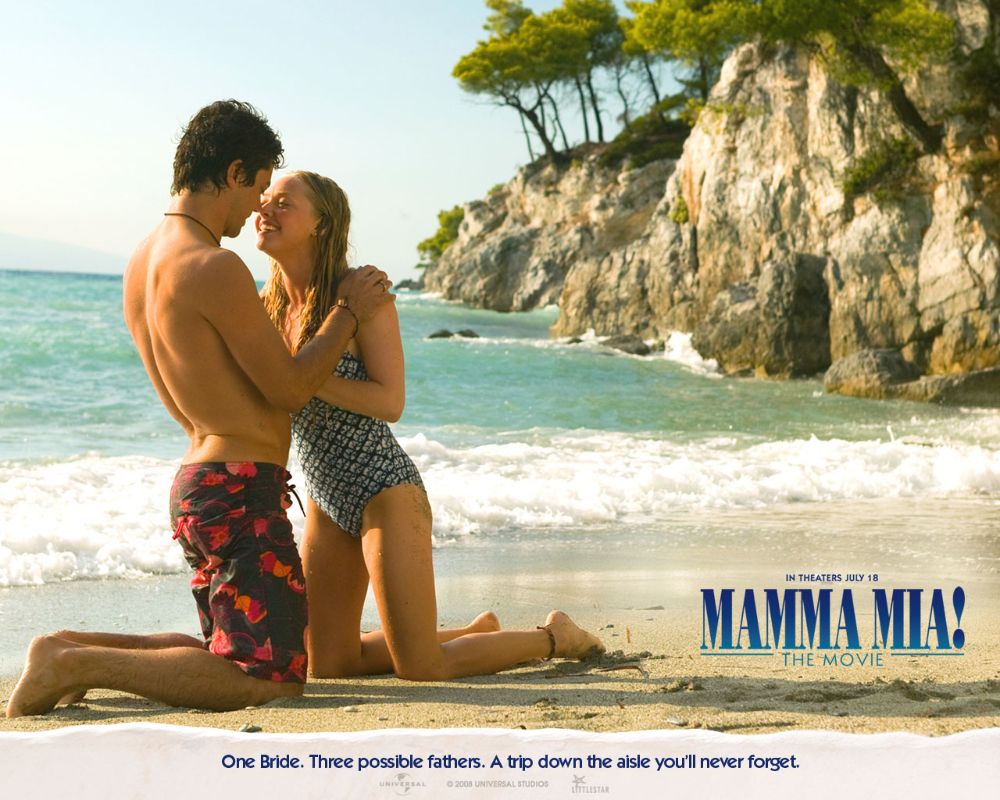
(230, 520)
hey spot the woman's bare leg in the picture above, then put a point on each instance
(397, 551)
(337, 581)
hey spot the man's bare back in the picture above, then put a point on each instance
(175, 291)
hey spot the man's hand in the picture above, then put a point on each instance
(366, 290)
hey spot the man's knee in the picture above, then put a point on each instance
(273, 690)
(292, 689)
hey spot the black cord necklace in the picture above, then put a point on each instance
(215, 238)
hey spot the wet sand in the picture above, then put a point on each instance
(653, 678)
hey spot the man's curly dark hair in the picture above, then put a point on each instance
(219, 134)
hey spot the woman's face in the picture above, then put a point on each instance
(287, 220)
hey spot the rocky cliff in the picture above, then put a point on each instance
(515, 248)
(758, 240)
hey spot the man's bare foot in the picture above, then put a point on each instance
(572, 641)
(41, 686)
(487, 622)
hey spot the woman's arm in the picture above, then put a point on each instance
(383, 395)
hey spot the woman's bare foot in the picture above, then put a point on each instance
(487, 622)
(572, 641)
(41, 685)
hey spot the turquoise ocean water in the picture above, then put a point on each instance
(548, 465)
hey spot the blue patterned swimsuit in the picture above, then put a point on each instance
(348, 458)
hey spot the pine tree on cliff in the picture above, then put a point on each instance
(697, 33)
(634, 56)
(865, 42)
(868, 42)
(518, 65)
(600, 37)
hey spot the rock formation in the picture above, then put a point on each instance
(751, 239)
(515, 248)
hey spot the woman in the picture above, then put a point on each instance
(368, 516)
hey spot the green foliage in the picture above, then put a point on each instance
(631, 46)
(507, 16)
(501, 67)
(518, 66)
(883, 171)
(432, 248)
(649, 138)
(595, 24)
(559, 45)
(496, 187)
(690, 30)
(698, 33)
(529, 51)
(529, 58)
(679, 213)
(702, 32)
(735, 114)
(980, 76)
(906, 32)
(983, 165)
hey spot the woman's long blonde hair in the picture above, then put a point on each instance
(331, 206)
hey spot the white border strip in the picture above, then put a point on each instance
(153, 761)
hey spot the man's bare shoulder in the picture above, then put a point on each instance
(190, 274)
(215, 269)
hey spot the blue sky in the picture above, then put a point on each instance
(94, 96)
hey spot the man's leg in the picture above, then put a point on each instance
(177, 676)
(131, 641)
(125, 641)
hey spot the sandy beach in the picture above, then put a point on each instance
(652, 678)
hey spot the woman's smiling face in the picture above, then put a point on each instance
(287, 220)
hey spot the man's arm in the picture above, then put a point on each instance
(227, 298)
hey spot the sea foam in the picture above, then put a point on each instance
(676, 348)
(98, 516)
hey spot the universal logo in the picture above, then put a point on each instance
(580, 786)
(401, 784)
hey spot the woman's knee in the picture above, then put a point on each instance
(422, 674)
(334, 667)
(436, 670)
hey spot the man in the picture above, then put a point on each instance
(224, 373)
